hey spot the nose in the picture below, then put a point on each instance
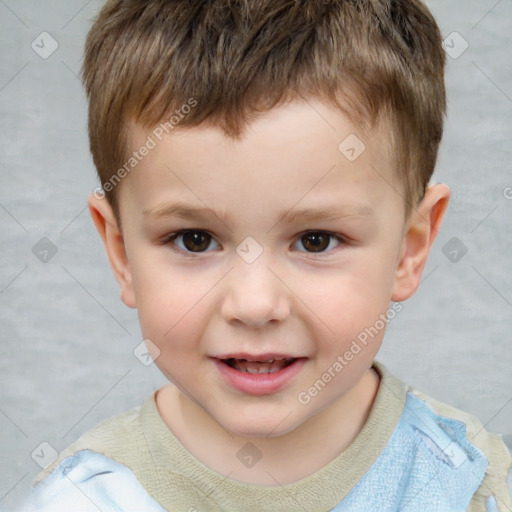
(254, 296)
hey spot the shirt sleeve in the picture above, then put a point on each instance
(87, 482)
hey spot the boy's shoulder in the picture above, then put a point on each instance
(119, 437)
(476, 434)
(442, 423)
(436, 457)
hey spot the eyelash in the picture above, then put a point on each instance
(171, 238)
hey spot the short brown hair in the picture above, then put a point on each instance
(144, 59)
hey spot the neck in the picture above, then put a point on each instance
(287, 458)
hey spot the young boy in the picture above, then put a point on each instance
(266, 166)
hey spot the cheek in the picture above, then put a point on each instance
(175, 324)
(168, 302)
(350, 308)
(354, 294)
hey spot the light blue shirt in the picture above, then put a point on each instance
(427, 465)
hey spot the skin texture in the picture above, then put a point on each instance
(290, 300)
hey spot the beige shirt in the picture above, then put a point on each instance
(140, 440)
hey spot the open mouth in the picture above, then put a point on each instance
(268, 366)
(245, 374)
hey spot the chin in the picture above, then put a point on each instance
(260, 428)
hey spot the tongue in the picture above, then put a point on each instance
(256, 367)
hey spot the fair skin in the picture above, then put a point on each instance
(197, 298)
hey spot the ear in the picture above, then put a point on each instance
(107, 226)
(422, 228)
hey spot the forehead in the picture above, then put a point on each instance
(303, 150)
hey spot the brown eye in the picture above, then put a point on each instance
(318, 241)
(315, 242)
(192, 241)
(196, 241)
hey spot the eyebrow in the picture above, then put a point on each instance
(187, 212)
(328, 213)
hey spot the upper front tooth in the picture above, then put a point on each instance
(267, 361)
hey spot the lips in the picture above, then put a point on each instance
(259, 375)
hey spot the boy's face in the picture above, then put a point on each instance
(248, 279)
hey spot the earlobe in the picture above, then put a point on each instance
(424, 224)
(109, 231)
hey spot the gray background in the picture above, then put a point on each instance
(67, 339)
